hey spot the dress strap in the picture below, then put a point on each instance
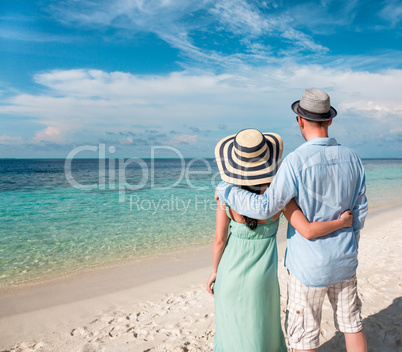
(228, 211)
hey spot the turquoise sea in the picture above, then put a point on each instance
(56, 219)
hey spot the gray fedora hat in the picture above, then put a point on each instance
(314, 105)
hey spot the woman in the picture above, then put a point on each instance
(244, 270)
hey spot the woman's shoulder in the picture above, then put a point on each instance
(233, 215)
(239, 218)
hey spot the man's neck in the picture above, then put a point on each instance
(317, 134)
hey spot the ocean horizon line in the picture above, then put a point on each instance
(186, 158)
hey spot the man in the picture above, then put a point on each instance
(325, 179)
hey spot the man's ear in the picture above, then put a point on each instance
(301, 122)
(329, 122)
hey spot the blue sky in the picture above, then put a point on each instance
(134, 74)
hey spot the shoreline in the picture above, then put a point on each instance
(57, 307)
(65, 275)
(153, 256)
(102, 267)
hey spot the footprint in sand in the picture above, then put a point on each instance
(141, 316)
(82, 331)
(27, 346)
(92, 348)
(141, 334)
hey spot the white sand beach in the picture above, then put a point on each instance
(162, 305)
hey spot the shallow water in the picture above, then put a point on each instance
(108, 213)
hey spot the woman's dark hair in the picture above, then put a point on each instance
(251, 223)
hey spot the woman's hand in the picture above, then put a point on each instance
(210, 283)
(347, 218)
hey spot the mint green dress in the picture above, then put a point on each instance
(246, 291)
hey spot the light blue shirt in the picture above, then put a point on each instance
(325, 179)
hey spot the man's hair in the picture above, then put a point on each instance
(318, 124)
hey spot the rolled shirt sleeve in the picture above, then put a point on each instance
(360, 209)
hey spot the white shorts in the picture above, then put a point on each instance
(303, 314)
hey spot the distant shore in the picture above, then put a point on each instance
(161, 304)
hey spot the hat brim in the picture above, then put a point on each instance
(253, 173)
(295, 109)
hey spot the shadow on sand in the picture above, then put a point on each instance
(383, 331)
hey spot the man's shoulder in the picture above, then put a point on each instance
(293, 162)
(293, 157)
(297, 155)
(307, 148)
(349, 153)
(308, 154)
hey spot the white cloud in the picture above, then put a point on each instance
(105, 85)
(49, 134)
(176, 22)
(96, 101)
(325, 19)
(396, 130)
(4, 139)
(150, 15)
(91, 95)
(304, 41)
(31, 36)
(240, 17)
(392, 12)
(380, 109)
(243, 19)
(127, 140)
(191, 139)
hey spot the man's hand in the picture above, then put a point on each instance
(347, 218)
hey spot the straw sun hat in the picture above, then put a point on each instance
(249, 158)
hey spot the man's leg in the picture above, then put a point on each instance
(347, 306)
(356, 342)
(303, 315)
